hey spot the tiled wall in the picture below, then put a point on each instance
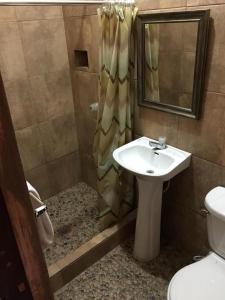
(177, 46)
(43, 124)
(205, 138)
(82, 32)
(35, 69)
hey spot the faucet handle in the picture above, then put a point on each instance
(162, 140)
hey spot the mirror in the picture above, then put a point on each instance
(171, 61)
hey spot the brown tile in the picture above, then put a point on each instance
(36, 12)
(86, 131)
(187, 72)
(83, 34)
(152, 123)
(41, 179)
(169, 61)
(86, 119)
(79, 10)
(20, 103)
(12, 61)
(189, 34)
(215, 67)
(172, 3)
(203, 137)
(30, 147)
(7, 13)
(170, 37)
(144, 5)
(85, 96)
(89, 173)
(52, 94)
(203, 2)
(159, 4)
(59, 136)
(191, 186)
(185, 228)
(54, 177)
(65, 172)
(48, 37)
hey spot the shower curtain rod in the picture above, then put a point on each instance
(61, 2)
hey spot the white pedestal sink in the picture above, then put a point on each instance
(151, 168)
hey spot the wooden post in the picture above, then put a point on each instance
(18, 206)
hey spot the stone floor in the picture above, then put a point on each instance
(119, 276)
(73, 213)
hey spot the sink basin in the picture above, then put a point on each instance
(139, 158)
(151, 167)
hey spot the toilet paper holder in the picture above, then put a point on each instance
(40, 210)
(93, 106)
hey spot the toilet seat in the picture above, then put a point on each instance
(203, 280)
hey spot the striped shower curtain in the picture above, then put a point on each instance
(114, 121)
(152, 62)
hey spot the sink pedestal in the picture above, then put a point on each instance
(147, 236)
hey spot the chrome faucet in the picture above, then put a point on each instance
(160, 145)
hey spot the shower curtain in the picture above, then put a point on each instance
(114, 121)
(152, 62)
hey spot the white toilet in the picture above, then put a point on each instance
(205, 279)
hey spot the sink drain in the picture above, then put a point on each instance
(150, 171)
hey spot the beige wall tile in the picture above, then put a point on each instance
(39, 89)
(191, 186)
(36, 12)
(83, 34)
(59, 136)
(30, 147)
(159, 4)
(65, 172)
(41, 179)
(170, 37)
(169, 70)
(189, 32)
(20, 103)
(12, 63)
(185, 228)
(153, 123)
(89, 173)
(7, 13)
(54, 177)
(48, 37)
(187, 72)
(172, 3)
(86, 118)
(85, 91)
(203, 2)
(79, 10)
(203, 137)
(52, 94)
(86, 131)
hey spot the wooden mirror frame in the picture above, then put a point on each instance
(200, 16)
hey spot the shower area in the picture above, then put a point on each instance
(49, 62)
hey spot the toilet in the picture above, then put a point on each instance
(205, 279)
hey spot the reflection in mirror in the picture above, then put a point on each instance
(171, 60)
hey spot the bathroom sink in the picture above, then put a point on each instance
(141, 159)
(152, 167)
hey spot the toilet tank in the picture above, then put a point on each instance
(215, 204)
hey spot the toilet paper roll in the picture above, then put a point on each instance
(93, 106)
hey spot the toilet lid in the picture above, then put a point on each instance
(203, 280)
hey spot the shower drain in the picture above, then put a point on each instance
(150, 171)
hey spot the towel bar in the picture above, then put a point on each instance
(40, 210)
